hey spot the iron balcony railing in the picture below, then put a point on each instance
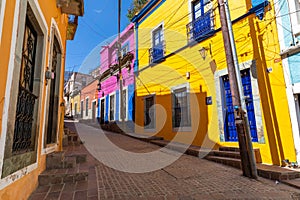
(157, 53)
(201, 27)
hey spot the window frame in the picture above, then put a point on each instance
(150, 128)
(178, 89)
(161, 38)
(112, 113)
(126, 105)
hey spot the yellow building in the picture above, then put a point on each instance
(182, 83)
(33, 36)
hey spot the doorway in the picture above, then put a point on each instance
(54, 95)
(102, 111)
(229, 122)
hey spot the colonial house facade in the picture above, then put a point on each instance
(288, 25)
(182, 84)
(116, 101)
(33, 36)
(88, 102)
(72, 88)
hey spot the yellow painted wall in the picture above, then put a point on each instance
(77, 99)
(255, 40)
(16, 189)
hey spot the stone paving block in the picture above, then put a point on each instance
(53, 196)
(67, 196)
(93, 198)
(38, 196)
(57, 188)
(81, 185)
(43, 189)
(80, 195)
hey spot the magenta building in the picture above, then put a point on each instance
(111, 80)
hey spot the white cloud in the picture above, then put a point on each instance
(98, 11)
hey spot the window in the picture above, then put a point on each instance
(112, 107)
(200, 7)
(87, 107)
(149, 113)
(181, 108)
(202, 24)
(23, 133)
(156, 53)
(158, 36)
(125, 49)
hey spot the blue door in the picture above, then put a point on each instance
(229, 122)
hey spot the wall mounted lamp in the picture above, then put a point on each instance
(203, 51)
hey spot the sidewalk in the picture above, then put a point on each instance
(187, 178)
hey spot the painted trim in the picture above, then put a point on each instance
(144, 13)
(9, 84)
(54, 32)
(17, 175)
(2, 11)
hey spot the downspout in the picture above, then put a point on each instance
(136, 61)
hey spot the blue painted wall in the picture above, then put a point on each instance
(117, 105)
(106, 108)
(130, 102)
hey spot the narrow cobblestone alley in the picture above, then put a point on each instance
(187, 178)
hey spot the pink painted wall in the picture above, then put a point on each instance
(108, 57)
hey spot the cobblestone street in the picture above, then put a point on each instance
(187, 178)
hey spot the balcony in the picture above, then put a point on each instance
(157, 53)
(200, 28)
(72, 27)
(71, 7)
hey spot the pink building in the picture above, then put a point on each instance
(112, 81)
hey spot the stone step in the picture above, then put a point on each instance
(79, 157)
(233, 162)
(257, 155)
(226, 154)
(233, 149)
(276, 173)
(61, 176)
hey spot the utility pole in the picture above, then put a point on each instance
(120, 67)
(240, 115)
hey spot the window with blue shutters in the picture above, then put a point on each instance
(157, 52)
(202, 24)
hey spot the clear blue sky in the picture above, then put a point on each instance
(100, 21)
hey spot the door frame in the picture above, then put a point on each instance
(256, 99)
